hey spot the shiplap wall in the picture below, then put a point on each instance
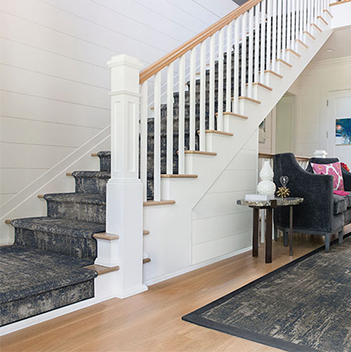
(220, 226)
(54, 77)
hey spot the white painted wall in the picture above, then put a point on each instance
(54, 77)
(220, 226)
(312, 89)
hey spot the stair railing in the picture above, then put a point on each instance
(206, 98)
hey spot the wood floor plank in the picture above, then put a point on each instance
(151, 321)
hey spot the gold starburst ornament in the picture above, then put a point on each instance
(283, 192)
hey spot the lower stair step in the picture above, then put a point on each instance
(35, 282)
(77, 206)
(62, 236)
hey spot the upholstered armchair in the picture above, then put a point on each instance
(322, 212)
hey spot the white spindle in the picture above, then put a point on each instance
(288, 26)
(284, 29)
(263, 40)
(143, 137)
(310, 15)
(279, 40)
(220, 81)
(157, 137)
(305, 15)
(202, 96)
(293, 19)
(192, 99)
(212, 83)
(297, 20)
(181, 114)
(274, 35)
(257, 42)
(250, 73)
(269, 34)
(229, 69)
(243, 54)
(236, 67)
(170, 84)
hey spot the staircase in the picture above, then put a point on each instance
(188, 138)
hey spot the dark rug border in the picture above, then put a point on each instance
(194, 317)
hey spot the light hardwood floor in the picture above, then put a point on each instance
(151, 321)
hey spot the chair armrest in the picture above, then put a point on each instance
(316, 212)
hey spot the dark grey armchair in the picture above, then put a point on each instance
(322, 212)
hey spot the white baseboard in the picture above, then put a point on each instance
(195, 266)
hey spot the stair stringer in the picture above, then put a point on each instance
(170, 245)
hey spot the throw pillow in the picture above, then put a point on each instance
(330, 169)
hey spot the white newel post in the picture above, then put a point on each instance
(124, 213)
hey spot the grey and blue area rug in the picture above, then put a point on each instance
(302, 306)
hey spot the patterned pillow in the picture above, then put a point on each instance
(331, 169)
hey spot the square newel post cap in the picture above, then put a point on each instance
(320, 154)
(125, 60)
(125, 72)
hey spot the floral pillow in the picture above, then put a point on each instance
(330, 169)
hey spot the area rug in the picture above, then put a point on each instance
(302, 306)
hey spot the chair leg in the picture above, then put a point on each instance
(341, 236)
(285, 237)
(275, 234)
(327, 242)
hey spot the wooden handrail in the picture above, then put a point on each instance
(339, 2)
(271, 155)
(192, 43)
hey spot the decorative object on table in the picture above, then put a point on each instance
(343, 131)
(266, 186)
(283, 191)
(282, 311)
(344, 166)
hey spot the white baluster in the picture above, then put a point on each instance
(212, 82)
(284, 29)
(181, 114)
(297, 20)
(143, 137)
(243, 54)
(236, 67)
(269, 34)
(250, 73)
(202, 96)
(310, 16)
(229, 69)
(157, 137)
(263, 40)
(192, 99)
(305, 16)
(220, 81)
(288, 26)
(257, 42)
(274, 35)
(293, 19)
(279, 40)
(170, 84)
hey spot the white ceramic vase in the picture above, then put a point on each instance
(266, 186)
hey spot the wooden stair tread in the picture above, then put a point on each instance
(146, 232)
(293, 52)
(69, 174)
(284, 62)
(328, 13)
(302, 43)
(178, 176)
(309, 34)
(315, 26)
(199, 152)
(236, 115)
(219, 132)
(105, 236)
(261, 85)
(323, 20)
(94, 154)
(249, 99)
(40, 196)
(146, 260)
(100, 269)
(158, 202)
(274, 73)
